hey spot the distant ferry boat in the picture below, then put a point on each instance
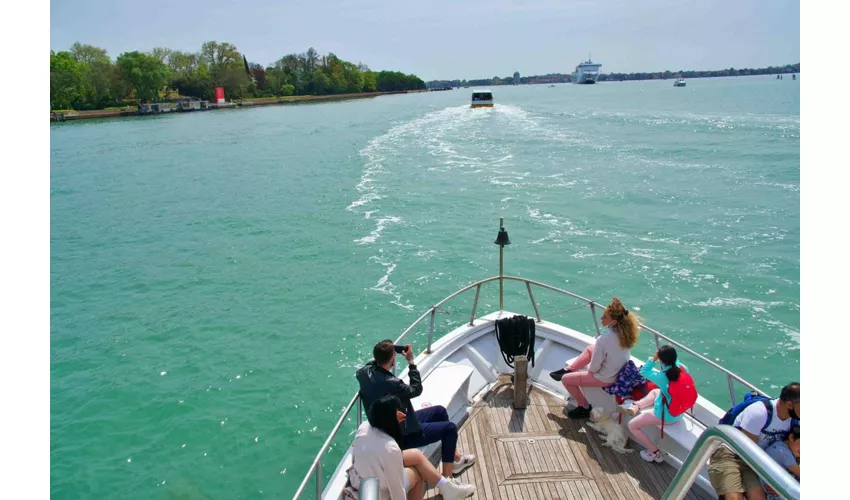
(680, 82)
(482, 99)
(586, 72)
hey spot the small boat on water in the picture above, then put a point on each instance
(680, 82)
(482, 99)
(525, 445)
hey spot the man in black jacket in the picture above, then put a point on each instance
(420, 428)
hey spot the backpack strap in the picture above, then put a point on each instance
(768, 404)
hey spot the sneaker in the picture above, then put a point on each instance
(558, 374)
(455, 489)
(652, 456)
(466, 461)
(579, 412)
(630, 411)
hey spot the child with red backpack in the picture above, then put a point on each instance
(675, 395)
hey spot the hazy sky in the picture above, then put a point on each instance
(440, 39)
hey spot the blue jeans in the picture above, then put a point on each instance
(436, 426)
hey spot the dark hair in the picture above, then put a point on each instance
(382, 416)
(790, 392)
(383, 352)
(795, 431)
(668, 356)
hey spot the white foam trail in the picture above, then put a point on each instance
(385, 286)
(381, 223)
(790, 331)
(737, 302)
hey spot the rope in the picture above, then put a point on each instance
(515, 336)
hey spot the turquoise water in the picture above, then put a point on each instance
(216, 278)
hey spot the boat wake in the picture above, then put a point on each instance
(449, 139)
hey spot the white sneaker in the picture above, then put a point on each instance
(466, 461)
(629, 411)
(454, 489)
(652, 456)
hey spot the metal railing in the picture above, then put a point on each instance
(369, 489)
(768, 469)
(431, 312)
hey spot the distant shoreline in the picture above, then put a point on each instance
(617, 77)
(65, 116)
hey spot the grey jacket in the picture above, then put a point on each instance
(375, 383)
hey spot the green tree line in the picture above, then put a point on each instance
(658, 75)
(85, 77)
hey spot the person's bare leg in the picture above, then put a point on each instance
(756, 493)
(416, 484)
(448, 469)
(733, 496)
(417, 460)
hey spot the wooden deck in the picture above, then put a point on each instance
(539, 453)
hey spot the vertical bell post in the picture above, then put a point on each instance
(502, 239)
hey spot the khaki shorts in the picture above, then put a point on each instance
(729, 474)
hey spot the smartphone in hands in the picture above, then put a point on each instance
(399, 349)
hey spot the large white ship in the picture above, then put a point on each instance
(586, 72)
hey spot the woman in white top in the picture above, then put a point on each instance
(401, 474)
(603, 359)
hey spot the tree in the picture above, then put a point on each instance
(66, 81)
(319, 83)
(144, 72)
(218, 55)
(259, 75)
(161, 53)
(370, 82)
(97, 88)
(88, 54)
(182, 63)
(195, 85)
(353, 77)
(312, 59)
(389, 81)
(234, 80)
(86, 78)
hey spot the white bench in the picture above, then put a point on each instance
(447, 386)
(682, 432)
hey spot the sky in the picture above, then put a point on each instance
(460, 39)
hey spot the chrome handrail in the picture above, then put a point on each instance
(317, 462)
(369, 488)
(431, 312)
(768, 469)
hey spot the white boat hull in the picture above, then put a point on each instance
(584, 78)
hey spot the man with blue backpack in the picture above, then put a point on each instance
(763, 420)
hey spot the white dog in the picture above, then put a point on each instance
(615, 436)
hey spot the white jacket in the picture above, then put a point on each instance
(608, 357)
(376, 454)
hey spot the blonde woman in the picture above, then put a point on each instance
(603, 359)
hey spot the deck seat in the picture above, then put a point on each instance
(448, 386)
(682, 431)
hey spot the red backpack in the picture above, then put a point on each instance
(683, 397)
